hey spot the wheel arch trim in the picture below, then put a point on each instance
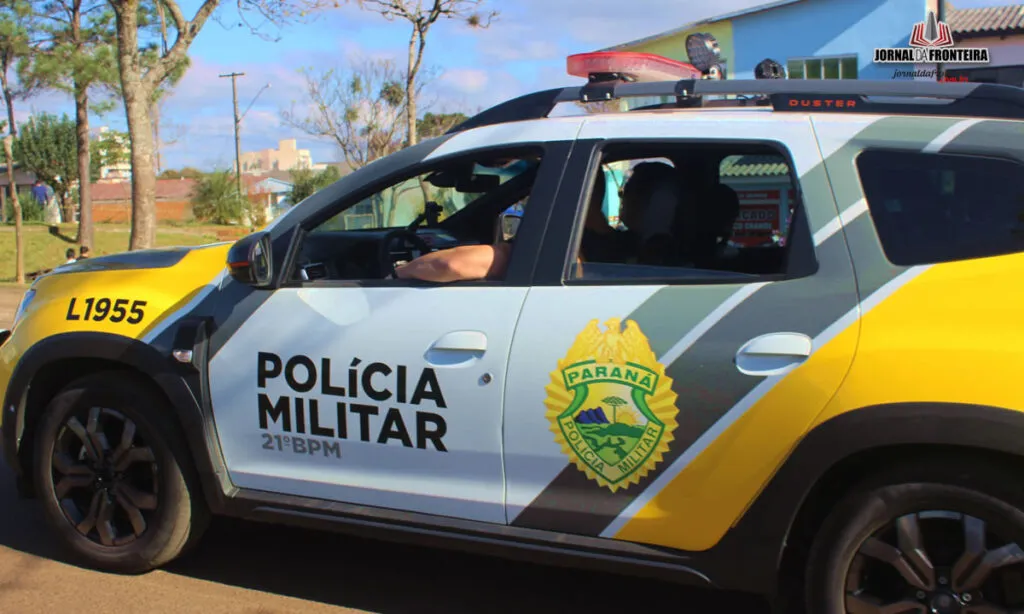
(182, 385)
(764, 534)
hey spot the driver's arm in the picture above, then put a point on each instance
(463, 263)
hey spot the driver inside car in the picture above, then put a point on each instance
(462, 263)
(477, 262)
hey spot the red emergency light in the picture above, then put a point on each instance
(629, 66)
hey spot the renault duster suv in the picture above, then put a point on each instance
(797, 377)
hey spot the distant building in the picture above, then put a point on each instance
(286, 157)
(837, 39)
(1000, 29)
(112, 201)
(118, 171)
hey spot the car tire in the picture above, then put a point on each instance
(905, 500)
(147, 488)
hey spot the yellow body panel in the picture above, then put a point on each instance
(714, 490)
(164, 290)
(952, 334)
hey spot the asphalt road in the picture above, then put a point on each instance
(250, 568)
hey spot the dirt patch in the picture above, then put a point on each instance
(10, 296)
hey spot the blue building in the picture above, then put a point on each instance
(836, 39)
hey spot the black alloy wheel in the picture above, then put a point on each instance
(931, 537)
(105, 476)
(114, 474)
(936, 562)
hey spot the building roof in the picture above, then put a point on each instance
(703, 22)
(986, 21)
(166, 189)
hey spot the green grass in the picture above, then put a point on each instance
(44, 250)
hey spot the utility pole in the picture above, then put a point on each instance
(238, 120)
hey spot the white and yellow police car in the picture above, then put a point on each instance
(797, 378)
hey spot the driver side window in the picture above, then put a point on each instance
(457, 203)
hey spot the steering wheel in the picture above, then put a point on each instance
(410, 241)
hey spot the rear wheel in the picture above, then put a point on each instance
(929, 539)
(114, 475)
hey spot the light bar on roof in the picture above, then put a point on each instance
(629, 66)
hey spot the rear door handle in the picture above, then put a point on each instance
(457, 348)
(773, 354)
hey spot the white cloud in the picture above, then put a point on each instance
(466, 80)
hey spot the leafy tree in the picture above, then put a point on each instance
(187, 173)
(436, 124)
(422, 19)
(360, 110)
(216, 199)
(73, 53)
(48, 146)
(15, 20)
(142, 70)
(306, 182)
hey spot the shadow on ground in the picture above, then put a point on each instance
(391, 578)
(384, 577)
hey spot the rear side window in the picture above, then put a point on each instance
(931, 208)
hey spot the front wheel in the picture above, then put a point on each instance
(931, 539)
(114, 475)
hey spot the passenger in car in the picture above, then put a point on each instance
(650, 199)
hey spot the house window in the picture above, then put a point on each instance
(827, 67)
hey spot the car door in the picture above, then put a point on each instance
(651, 403)
(381, 392)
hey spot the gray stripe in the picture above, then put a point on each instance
(1000, 138)
(571, 502)
(873, 269)
(673, 311)
(708, 385)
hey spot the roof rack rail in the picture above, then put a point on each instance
(845, 96)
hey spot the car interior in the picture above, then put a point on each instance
(460, 204)
(695, 239)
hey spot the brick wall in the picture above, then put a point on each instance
(120, 211)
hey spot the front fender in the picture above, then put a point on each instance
(54, 361)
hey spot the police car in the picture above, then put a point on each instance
(812, 394)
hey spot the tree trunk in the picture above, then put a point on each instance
(9, 101)
(410, 89)
(84, 167)
(140, 130)
(19, 248)
(137, 97)
(67, 208)
(12, 128)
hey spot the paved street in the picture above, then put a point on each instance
(249, 568)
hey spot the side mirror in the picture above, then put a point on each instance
(510, 220)
(249, 260)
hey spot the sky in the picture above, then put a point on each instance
(523, 50)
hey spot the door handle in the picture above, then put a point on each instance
(457, 348)
(773, 354)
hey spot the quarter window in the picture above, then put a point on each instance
(931, 208)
